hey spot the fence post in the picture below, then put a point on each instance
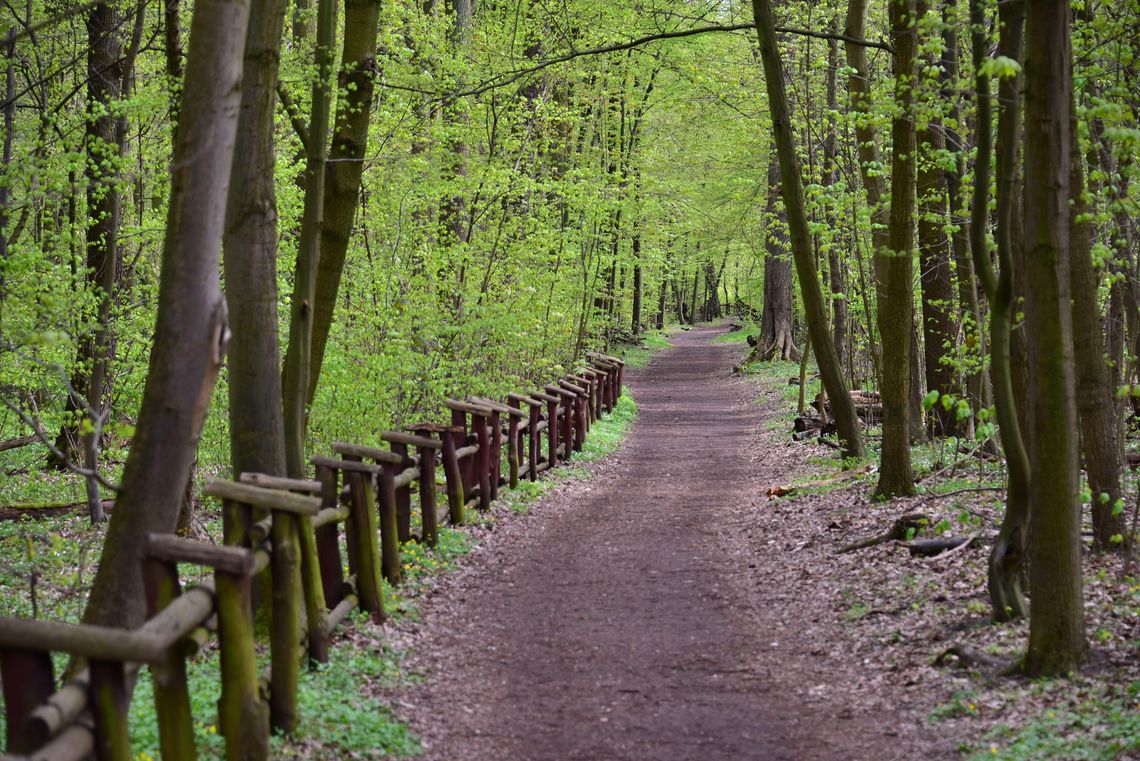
(171, 690)
(328, 541)
(389, 541)
(513, 440)
(28, 681)
(312, 587)
(368, 554)
(110, 701)
(403, 495)
(427, 494)
(242, 716)
(285, 622)
(482, 460)
(425, 448)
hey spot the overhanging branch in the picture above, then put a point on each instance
(508, 78)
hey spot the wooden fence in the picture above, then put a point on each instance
(290, 529)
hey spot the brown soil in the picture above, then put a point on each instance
(653, 611)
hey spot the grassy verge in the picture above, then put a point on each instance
(638, 355)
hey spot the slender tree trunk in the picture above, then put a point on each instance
(635, 322)
(969, 304)
(939, 330)
(847, 423)
(1056, 623)
(346, 166)
(1008, 555)
(257, 429)
(896, 305)
(190, 333)
(1096, 397)
(838, 279)
(295, 384)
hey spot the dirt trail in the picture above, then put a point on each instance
(626, 617)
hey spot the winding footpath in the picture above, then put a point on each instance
(610, 623)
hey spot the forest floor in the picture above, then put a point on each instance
(668, 608)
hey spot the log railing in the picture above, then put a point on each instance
(290, 529)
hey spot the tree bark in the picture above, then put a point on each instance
(295, 384)
(777, 318)
(896, 305)
(1095, 394)
(1056, 623)
(190, 333)
(1008, 554)
(346, 166)
(938, 328)
(257, 429)
(847, 423)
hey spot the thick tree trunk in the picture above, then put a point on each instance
(346, 166)
(847, 423)
(1096, 398)
(896, 305)
(190, 334)
(777, 319)
(1056, 623)
(257, 429)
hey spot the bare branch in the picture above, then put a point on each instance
(509, 78)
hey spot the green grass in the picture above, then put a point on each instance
(738, 336)
(638, 355)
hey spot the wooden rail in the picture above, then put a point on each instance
(290, 529)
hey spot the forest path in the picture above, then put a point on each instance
(620, 618)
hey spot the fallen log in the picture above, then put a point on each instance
(931, 547)
(16, 443)
(39, 512)
(903, 529)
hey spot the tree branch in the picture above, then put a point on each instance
(509, 78)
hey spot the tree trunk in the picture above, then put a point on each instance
(346, 165)
(847, 423)
(1008, 555)
(777, 319)
(969, 304)
(1056, 623)
(190, 333)
(896, 305)
(635, 322)
(1096, 398)
(838, 279)
(257, 429)
(295, 391)
(938, 328)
